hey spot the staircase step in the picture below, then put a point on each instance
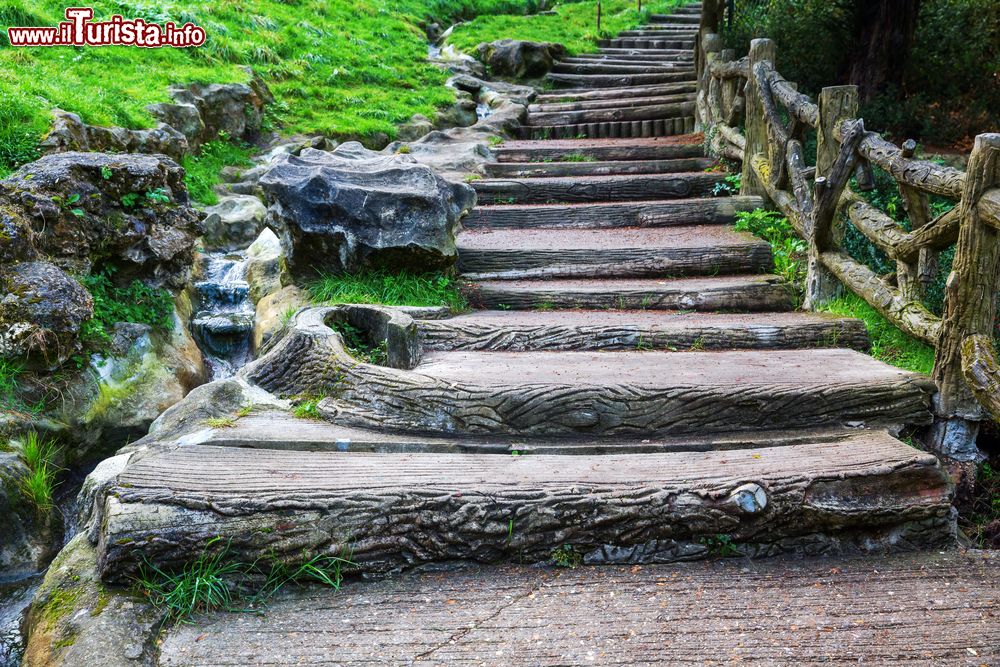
(611, 104)
(727, 293)
(600, 149)
(718, 210)
(585, 167)
(629, 58)
(584, 94)
(628, 187)
(683, 54)
(647, 43)
(620, 80)
(677, 17)
(649, 112)
(668, 127)
(661, 32)
(394, 510)
(623, 252)
(533, 331)
(563, 67)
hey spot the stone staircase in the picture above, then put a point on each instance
(633, 382)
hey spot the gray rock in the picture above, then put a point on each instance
(352, 209)
(520, 59)
(236, 109)
(233, 223)
(265, 266)
(272, 310)
(70, 133)
(41, 312)
(185, 118)
(414, 128)
(460, 114)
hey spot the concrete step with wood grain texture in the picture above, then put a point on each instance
(604, 215)
(628, 187)
(587, 167)
(591, 93)
(611, 104)
(600, 149)
(620, 80)
(622, 252)
(658, 43)
(563, 67)
(629, 112)
(630, 57)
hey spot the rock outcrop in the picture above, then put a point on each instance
(70, 133)
(352, 209)
(520, 59)
(233, 222)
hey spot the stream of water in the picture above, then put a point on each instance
(223, 322)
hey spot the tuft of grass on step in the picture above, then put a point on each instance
(38, 486)
(573, 24)
(789, 251)
(889, 344)
(389, 289)
(217, 581)
(201, 172)
(578, 157)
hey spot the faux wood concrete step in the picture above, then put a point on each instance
(716, 210)
(647, 43)
(679, 17)
(942, 611)
(618, 68)
(588, 168)
(630, 57)
(682, 54)
(623, 252)
(664, 31)
(727, 293)
(597, 188)
(629, 112)
(526, 331)
(581, 94)
(601, 149)
(661, 127)
(393, 510)
(620, 80)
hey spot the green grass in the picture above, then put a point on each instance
(889, 344)
(336, 67)
(359, 346)
(573, 24)
(788, 249)
(9, 374)
(215, 580)
(202, 171)
(39, 485)
(135, 302)
(389, 289)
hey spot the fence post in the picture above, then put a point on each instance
(916, 278)
(711, 44)
(756, 129)
(970, 308)
(836, 103)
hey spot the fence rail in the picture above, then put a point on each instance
(750, 93)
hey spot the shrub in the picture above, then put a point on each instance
(135, 302)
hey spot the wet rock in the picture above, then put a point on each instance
(29, 538)
(78, 210)
(272, 312)
(265, 266)
(352, 209)
(70, 133)
(41, 312)
(520, 59)
(460, 114)
(233, 222)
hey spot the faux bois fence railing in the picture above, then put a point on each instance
(750, 92)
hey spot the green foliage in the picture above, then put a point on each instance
(136, 302)
(729, 186)
(9, 374)
(306, 406)
(215, 580)
(38, 486)
(359, 346)
(20, 127)
(566, 556)
(201, 172)
(787, 248)
(389, 289)
(573, 24)
(578, 157)
(979, 518)
(889, 344)
(721, 546)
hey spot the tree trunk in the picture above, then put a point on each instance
(884, 34)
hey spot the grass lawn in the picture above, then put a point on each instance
(389, 289)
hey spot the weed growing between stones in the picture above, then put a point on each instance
(201, 172)
(980, 519)
(787, 248)
(566, 556)
(389, 289)
(720, 546)
(578, 157)
(38, 486)
(216, 581)
(136, 302)
(359, 346)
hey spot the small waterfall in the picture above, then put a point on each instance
(223, 321)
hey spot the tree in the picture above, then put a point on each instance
(884, 32)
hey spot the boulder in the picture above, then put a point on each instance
(233, 222)
(272, 312)
(265, 272)
(185, 118)
(414, 128)
(70, 133)
(352, 209)
(460, 114)
(236, 109)
(80, 210)
(41, 312)
(520, 59)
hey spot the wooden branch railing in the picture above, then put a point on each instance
(750, 92)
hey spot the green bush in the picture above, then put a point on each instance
(135, 302)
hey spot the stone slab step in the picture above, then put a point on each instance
(532, 331)
(715, 210)
(563, 67)
(660, 127)
(593, 168)
(628, 112)
(727, 293)
(623, 252)
(582, 94)
(647, 43)
(393, 510)
(600, 149)
(627, 187)
(677, 17)
(620, 80)
(942, 612)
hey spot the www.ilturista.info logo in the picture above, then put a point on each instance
(79, 30)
